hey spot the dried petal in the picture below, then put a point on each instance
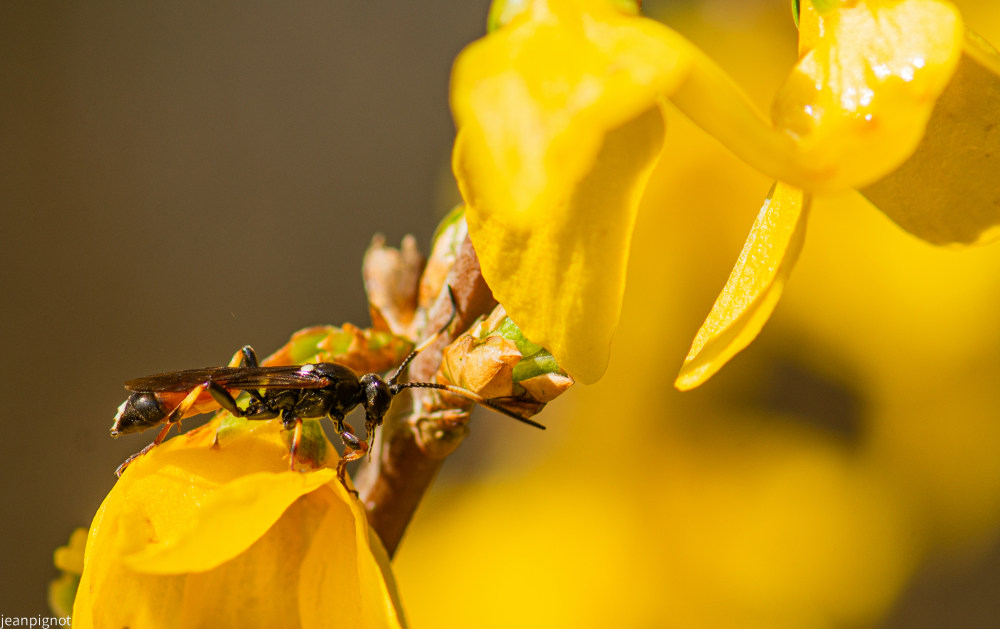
(494, 360)
(363, 350)
(391, 277)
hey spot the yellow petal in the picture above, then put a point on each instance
(949, 190)
(366, 593)
(753, 288)
(266, 578)
(225, 523)
(558, 130)
(308, 570)
(534, 100)
(561, 277)
(176, 507)
(193, 536)
(859, 98)
(107, 588)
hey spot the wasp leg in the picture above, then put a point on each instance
(246, 357)
(296, 440)
(224, 399)
(249, 357)
(159, 439)
(220, 395)
(250, 360)
(173, 417)
(354, 449)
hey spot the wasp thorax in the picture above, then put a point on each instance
(140, 411)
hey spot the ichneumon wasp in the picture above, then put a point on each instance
(292, 393)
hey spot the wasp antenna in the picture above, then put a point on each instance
(406, 361)
(469, 395)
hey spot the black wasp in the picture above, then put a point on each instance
(291, 393)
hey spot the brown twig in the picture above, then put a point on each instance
(412, 448)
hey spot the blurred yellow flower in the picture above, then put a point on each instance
(559, 126)
(194, 536)
(848, 457)
(69, 560)
(865, 90)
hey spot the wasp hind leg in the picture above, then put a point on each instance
(246, 357)
(172, 418)
(159, 439)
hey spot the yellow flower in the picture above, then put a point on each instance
(559, 117)
(69, 560)
(818, 482)
(193, 535)
(881, 89)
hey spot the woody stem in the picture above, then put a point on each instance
(409, 456)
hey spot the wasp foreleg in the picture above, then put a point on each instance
(354, 449)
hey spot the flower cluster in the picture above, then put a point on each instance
(560, 114)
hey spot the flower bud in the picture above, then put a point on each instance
(495, 361)
(446, 243)
(391, 278)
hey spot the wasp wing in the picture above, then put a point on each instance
(284, 377)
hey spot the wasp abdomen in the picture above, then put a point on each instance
(140, 411)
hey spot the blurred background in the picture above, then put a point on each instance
(179, 180)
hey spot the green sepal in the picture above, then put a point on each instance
(456, 214)
(540, 364)
(823, 6)
(304, 347)
(509, 330)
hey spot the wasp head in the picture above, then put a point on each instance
(377, 398)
